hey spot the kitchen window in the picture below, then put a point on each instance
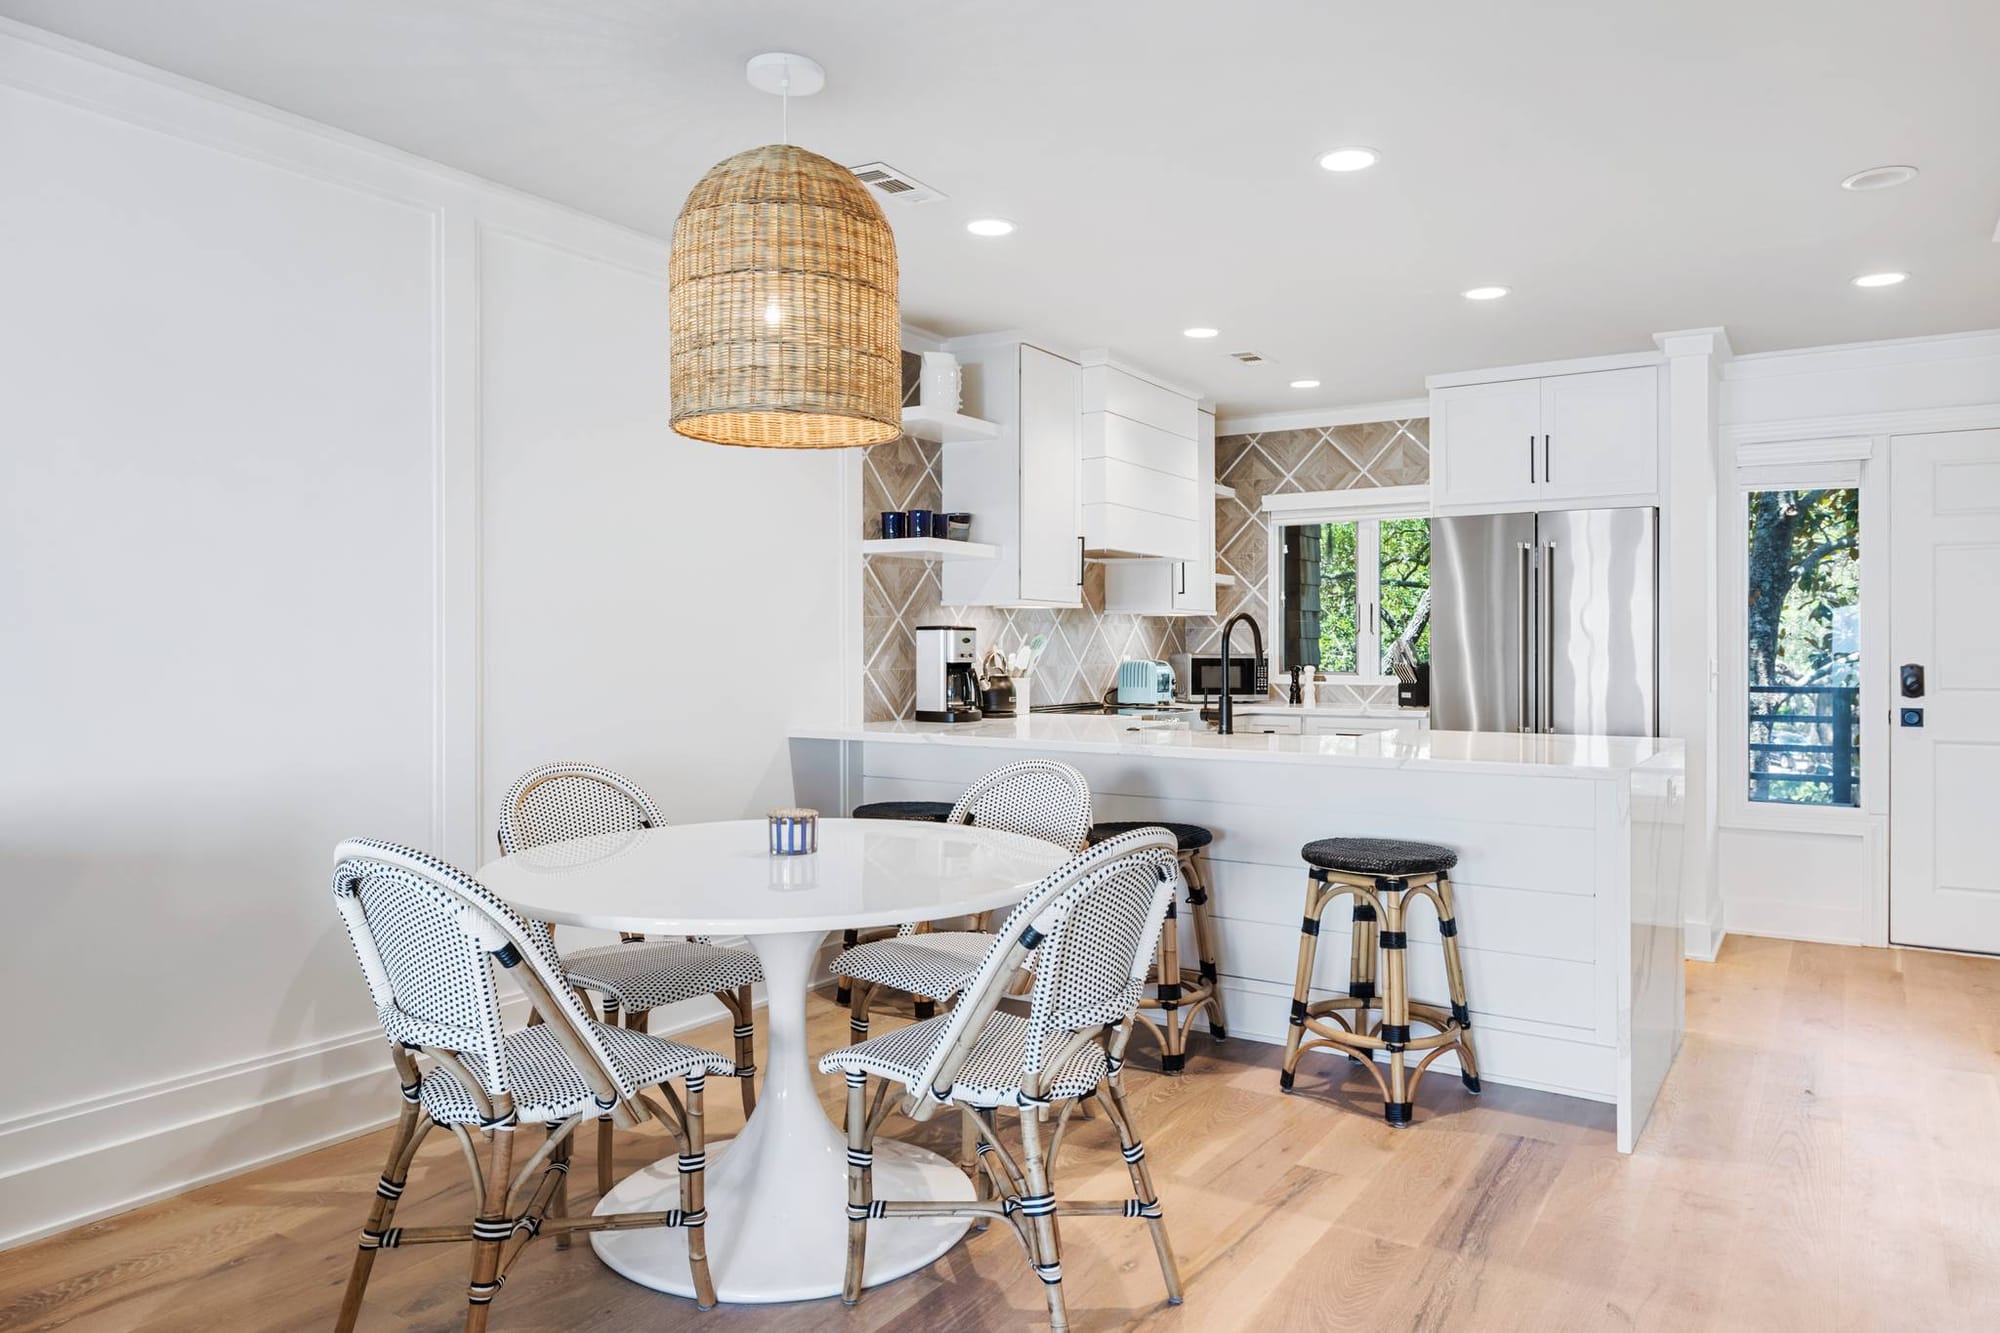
(1802, 622)
(1353, 593)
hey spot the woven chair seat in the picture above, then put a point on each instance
(928, 812)
(939, 963)
(991, 1075)
(1379, 856)
(547, 1086)
(651, 973)
(1190, 836)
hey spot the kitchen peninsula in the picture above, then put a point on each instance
(1569, 885)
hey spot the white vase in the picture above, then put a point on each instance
(940, 383)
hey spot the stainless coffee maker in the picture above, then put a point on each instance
(947, 674)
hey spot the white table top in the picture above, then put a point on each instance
(720, 878)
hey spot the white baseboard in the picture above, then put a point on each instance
(63, 1168)
(1702, 940)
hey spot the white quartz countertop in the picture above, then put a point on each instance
(1604, 757)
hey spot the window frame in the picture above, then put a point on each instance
(1799, 465)
(1366, 508)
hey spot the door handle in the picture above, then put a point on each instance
(1079, 562)
(1531, 464)
(1545, 460)
(1913, 680)
(1183, 578)
(1548, 707)
(1521, 638)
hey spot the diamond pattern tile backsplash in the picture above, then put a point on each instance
(1277, 462)
(1085, 646)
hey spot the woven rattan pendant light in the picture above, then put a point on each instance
(782, 300)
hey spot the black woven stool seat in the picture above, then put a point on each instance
(1190, 836)
(921, 812)
(1379, 856)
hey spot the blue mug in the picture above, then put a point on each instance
(920, 523)
(892, 523)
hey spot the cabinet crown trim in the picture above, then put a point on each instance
(1545, 369)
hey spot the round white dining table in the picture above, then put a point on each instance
(777, 1192)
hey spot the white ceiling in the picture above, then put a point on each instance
(1624, 168)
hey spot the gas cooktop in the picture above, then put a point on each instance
(1112, 710)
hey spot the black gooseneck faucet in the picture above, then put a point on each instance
(1227, 723)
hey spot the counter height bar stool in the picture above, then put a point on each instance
(1037, 797)
(427, 937)
(1092, 927)
(1382, 875)
(555, 802)
(914, 812)
(1175, 992)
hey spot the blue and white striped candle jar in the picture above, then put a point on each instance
(794, 832)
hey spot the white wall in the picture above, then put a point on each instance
(1823, 874)
(335, 489)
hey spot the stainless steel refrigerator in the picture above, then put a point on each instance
(1546, 622)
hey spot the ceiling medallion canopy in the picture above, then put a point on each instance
(781, 298)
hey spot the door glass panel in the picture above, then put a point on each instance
(1405, 569)
(1804, 642)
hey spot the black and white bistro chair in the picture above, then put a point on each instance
(556, 802)
(1093, 926)
(1037, 797)
(428, 936)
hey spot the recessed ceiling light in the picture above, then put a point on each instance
(1305, 384)
(1485, 293)
(1350, 159)
(989, 226)
(1879, 178)
(1879, 279)
(1200, 333)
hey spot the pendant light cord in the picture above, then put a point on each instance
(785, 115)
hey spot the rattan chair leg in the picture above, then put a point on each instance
(410, 1128)
(1038, 1206)
(742, 1012)
(1317, 895)
(1454, 971)
(1395, 1029)
(860, 1186)
(843, 987)
(1167, 989)
(857, 1011)
(1204, 942)
(564, 1152)
(1119, 1112)
(694, 1192)
(605, 1154)
(490, 1229)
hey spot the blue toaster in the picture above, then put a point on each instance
(1145, 682)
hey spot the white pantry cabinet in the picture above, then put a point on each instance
(1023, 487)
(1556, 441)
(1174, 587)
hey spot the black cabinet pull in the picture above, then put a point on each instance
(1545, 461)
(1079, 562)
(1531, 460)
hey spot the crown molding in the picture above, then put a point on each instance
(1397, 409)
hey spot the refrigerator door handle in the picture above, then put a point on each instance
(1547, 710)
(1524, 633)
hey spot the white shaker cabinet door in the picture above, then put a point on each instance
(1600, 435)
(1486, 445)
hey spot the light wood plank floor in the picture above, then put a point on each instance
(1824, 1157)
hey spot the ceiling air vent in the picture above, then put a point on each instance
(899, 186)
(1248, 358)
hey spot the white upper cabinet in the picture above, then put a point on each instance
(1143, 489)
(1022, 488)
(1563, 441)
(1174, 587)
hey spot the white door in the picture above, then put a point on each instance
(1485, 444)
(1944, 879)
(1051, 508)
(1601, 435)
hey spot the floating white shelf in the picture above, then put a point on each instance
(1225, 580)
(1224, 492)
(928, 548)
(940, 427)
